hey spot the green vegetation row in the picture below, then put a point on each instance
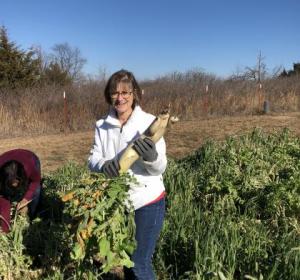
(233, 212)
(83, 229)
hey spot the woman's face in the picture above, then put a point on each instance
(122, 98)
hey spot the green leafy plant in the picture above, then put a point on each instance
(14, 263)
(234, 210)
(101, 223)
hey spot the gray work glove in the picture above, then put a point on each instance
(111, 168)
(146, 149)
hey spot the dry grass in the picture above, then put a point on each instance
(187, 136)
(40, 110)
(227, 108)
(54, 150)
(182, 138)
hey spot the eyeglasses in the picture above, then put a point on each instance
(124, 94)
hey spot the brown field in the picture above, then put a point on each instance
(182, 138)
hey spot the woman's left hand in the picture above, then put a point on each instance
(146, 149)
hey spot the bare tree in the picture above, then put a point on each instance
(259, 71)
(69, 60)
(42, 57)
(102, 73)
(256, 73)
(277, 71)
(238, 75)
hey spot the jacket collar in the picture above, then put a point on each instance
(112, 119)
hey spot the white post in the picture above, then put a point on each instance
(65, 112)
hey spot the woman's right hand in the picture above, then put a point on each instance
(22, 206)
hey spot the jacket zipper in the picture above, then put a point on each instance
(120, 137)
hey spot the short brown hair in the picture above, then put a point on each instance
(123, 76)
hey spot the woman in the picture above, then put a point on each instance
(20, 181)
(124, 124)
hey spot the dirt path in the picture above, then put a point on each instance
(182, 138)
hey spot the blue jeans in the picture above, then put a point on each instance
(37, 194)
(149, 220)
(34, 202)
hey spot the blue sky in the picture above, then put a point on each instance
(153, 38)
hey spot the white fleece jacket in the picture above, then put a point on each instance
(111, 140)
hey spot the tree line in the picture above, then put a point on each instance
(63, 66)
(20, 68)
(290, 73)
